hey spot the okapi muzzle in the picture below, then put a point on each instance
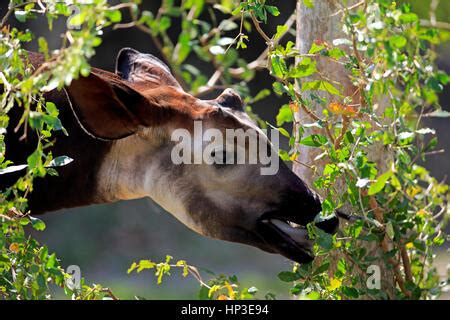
(121, 129)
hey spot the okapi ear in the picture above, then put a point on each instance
(134, 66)
(230, 99)
(107, 108)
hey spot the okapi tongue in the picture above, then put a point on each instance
(299, 235)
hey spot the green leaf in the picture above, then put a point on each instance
(380, 183)
(60, 161)
(336, 53)
(316, 48)
(145, 264)
(408, 18)
(185, 47)
(261, 95)
(279, 67)
(431, 144)
(113, 15)
(390, 230)
(37, 224)
(288, 276)
(305, 68)
(320, 85)
(284, 155)
(398, 41)
(284, 115)
(51, 261)
(133, 266)
(309, 3)
(350, 292)
(21, 15)
(420, 244)
(203, 293)
(279, 88)
(314, 140)
(273, 10)
(34, 159)
(284, 132)
(313, 295)
(164, 23)
(77, 20)
(280, 31)
(43, 47)
(325, 240)
(53, 122)
(323, 267)
(51, 109)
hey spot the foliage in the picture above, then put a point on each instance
(219, 287)
(27, 268)
(388, 55)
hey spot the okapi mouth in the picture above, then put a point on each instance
(290, 239)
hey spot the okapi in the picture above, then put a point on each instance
(119, 134)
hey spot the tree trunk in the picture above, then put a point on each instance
(321, 23)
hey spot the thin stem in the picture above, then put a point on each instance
(436, 24)
(260, 62)
(433, 6)
(110, 293)
(345, 123)
(261, 31)
(406, 263)
(356, 5)
(385, 247)
(304, 164)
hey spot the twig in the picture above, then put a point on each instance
(260, 62)
(433, 6)
(430, 153)
(349, 8)
(406, 263)
(194, 272)
(385, 246)
(345, 123)
(309, 112)
(437, 24)
(304, 164)
(261, 31)
(122, 6)
(110, 293)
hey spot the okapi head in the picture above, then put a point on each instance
(138, 110)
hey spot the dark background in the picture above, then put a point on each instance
(105, 239)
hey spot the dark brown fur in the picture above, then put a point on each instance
(76, 183)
